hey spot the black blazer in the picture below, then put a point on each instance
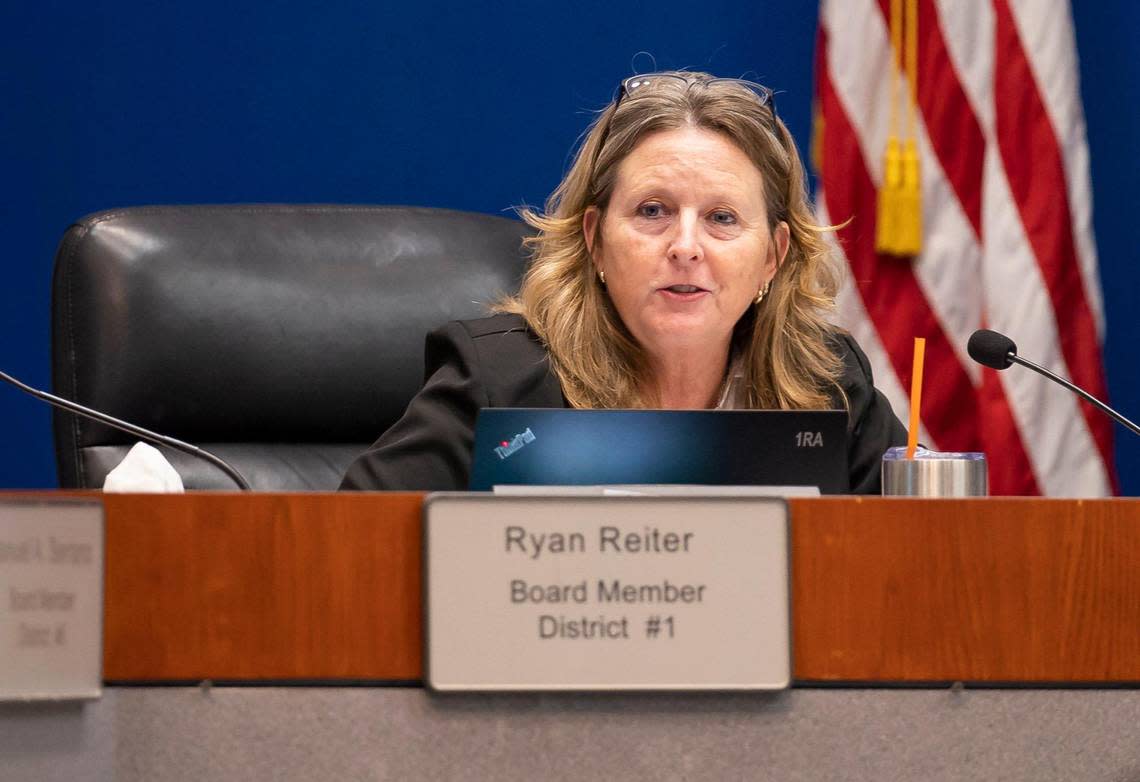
(499, 362)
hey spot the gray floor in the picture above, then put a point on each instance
(397, 734)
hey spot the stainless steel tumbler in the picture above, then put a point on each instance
(934, 474)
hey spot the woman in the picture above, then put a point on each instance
(676, 266)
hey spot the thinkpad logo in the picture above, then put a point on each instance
(508, 447)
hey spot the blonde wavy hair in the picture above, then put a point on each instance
(782, 344)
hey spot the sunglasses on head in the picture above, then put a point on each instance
(631, 85)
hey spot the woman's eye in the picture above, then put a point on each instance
(650, 210)
(722, 217)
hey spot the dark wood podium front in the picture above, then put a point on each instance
(326, 587)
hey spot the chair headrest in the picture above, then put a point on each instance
(266, 323)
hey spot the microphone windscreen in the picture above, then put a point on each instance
(990, 348)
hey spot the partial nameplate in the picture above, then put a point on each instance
(606, 593)
(51, 599)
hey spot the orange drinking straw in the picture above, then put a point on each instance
(915, 395)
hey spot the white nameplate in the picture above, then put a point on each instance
(51, 599)
(606, 593)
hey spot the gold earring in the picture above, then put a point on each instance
(763, 292)
(602, 276)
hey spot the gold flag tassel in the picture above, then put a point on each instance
(899, 227)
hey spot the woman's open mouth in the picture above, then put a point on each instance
(682, 292)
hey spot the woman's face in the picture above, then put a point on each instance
(684, 243)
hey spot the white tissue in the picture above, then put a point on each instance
(144, 470)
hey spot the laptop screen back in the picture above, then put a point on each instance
(564, 447)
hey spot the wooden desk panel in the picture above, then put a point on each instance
(262, 586)
(325, 586)
(979, 590)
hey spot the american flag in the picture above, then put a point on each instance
(1007, 238)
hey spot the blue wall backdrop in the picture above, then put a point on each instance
(465, 106)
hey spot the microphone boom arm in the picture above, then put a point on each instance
(129, 428)
(1099, 405)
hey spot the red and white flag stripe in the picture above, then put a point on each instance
(1007, 230)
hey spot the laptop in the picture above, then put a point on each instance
(567, 447)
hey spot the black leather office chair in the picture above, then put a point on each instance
(283, 338)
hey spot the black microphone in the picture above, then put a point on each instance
(998, 351)
(137, 431)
